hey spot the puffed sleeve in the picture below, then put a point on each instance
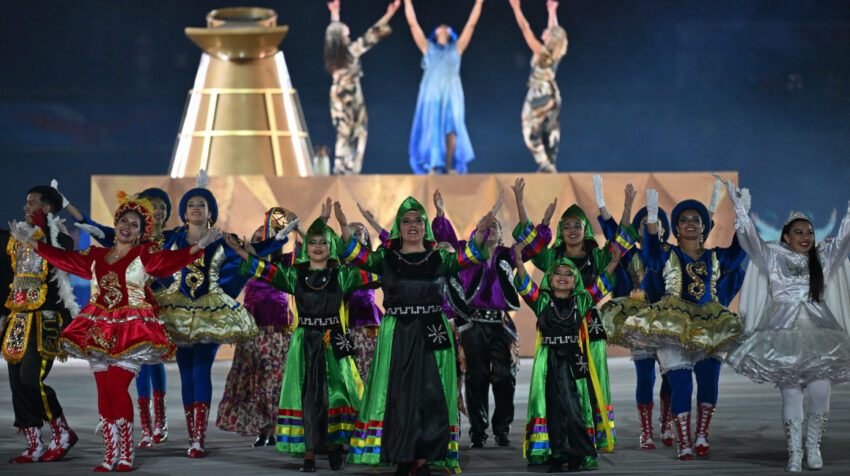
(530, 293)
(354, 253)
(351, 279)
(444, 231)
(75, 262)
(467, 256)
(163, 263)
(836, 251)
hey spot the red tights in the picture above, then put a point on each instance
(113, 398)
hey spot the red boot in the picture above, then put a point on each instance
(704, 412)
(126, 456)
(63, 439)
(160, 421)
(683, 428)
(35, 447)
(666, 421)
(202, 411)
(145, 422)
(110, 447)
(645, 413)
(189, 411)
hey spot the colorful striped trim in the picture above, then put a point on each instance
(452, 450)
(366, 438)
(355, 253)
(532, 241)
(262, 270)
(341, 423)
(290, 426)
(367, 277)
(622, 243)
(537, 435)
(528, 290)
(469, 255)
(600, 288)
(600, 424)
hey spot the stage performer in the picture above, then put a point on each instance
(321, 390)
(541, 128)
(150, 375)
(409, 411)
(252, 391)
(555, 431)
(199, 309)
(439, 141)
(794, 306)
(688, 327)
(575, 240)
(636, 288)
(348, 110)
(39, 305)
(490, 340)
(119, 330)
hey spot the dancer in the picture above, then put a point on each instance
(348, 110)
(252, 391)
(439, 142)
(554, 429)
(321, 390)
(150, 375)
(364, 315)
(409, 412)
(39, 305)
(540, 125)
(688, 327)
(199, 309)
(793, 339)
(634, 289)
(575, 240)
(118, 330)
(490, 339)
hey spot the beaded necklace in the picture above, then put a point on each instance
(414, 263)
(324, 281)
(569, 313)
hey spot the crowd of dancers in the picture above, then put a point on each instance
(320, 368)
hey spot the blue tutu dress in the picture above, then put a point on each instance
(439, 111)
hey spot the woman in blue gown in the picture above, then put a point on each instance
(439, 142)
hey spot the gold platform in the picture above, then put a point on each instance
(243, 200)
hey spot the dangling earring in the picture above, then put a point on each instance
(209, 223)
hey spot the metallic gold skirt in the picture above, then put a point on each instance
(212, 318)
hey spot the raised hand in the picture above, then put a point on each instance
(483, 226)
(282, 234)
(498, 204)
(91, 230)
(209, 237)
(746, 199)
(340, 216)
(20, 231)
(325, 214)
(391, 8)
(438, 203)
(240, 250)
(715, 196)
(519, 189)
(516, 249)
(202, 179)
(550, 210)
(733, 193)
(631, 193)
(55, 184)
(598, 192)
(651, 206)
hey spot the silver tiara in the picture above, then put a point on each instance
(795, 215)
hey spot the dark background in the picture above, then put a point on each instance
(757, 86)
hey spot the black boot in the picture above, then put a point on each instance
(502, 440)
(403, 469)
(309, 466)
(335, 459)
(423, 470)
(271, 440)
(555, 465)
(260, 441)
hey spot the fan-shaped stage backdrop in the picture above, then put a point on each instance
(243, 199)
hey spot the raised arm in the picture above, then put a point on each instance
(469, 28)
(532, 42)
(375, 33)
(746, 233)
(415, 30)
(552, 8)
(631, 193)
(334, 8)
(519, 195)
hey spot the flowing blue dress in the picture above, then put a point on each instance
(439, 111)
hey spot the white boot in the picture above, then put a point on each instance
(815, 427)
(794, 439)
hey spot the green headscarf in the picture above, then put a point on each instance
(411, 204)
(583, 298)
(577, 212)
(319, 227)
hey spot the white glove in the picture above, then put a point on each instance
(209, 237)
(734, 194)
(55, 184)
(715, 196)
(91, 229)
(597, 190)
(746, 199)
(202, 179)
(282, 234)
(651, 206)
(20, 231)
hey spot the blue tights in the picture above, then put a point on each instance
(153, 374)
(645, 369)
(707, 372)
(195, 364)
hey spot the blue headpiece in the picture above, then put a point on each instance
(199, 192)
(692, 205)
(662, 217)
(159, 193)
(452, 34)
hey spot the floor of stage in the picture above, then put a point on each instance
(746, 434)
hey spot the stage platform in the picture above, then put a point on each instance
(746, 434)
(243, 199)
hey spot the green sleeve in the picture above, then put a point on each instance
(469, 255)
(531, 294)
(544, 259)
(350, 279)
(354, 253)
(279, 277)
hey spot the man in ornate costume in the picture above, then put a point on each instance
(40, 305)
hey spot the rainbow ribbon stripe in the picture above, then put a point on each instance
(621, 243)
(355, 253)
(367, 277)
(528, 290)
(290, 427)
(262, 270)
(600, 424)
(532, 242)
(600, 288)
(469, 255)
(341, 423)
(366, 441)
(452, 451)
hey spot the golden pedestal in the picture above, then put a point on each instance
(242, 115)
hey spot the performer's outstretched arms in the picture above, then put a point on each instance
(532, 41)
(469, 28)
(415, 29)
